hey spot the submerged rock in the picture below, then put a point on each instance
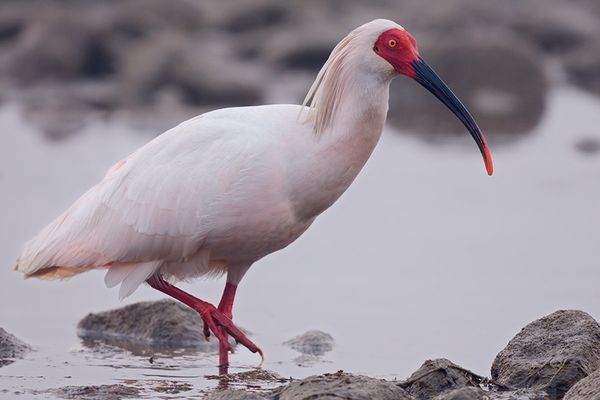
(102, 392)
(313, 342)
(551, 353)
(586, 389)
(163, 323)
(11, 348)
(588, 146)
(232, 394)
(253, 375)
(438, 376)
(341, 386)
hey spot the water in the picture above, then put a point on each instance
(424, 257)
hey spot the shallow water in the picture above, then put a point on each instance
(423, 257)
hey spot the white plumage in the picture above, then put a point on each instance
(224, 189)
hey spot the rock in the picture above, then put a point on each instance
(128, 20)
(556, 28)
(256, 15)
(284, 51)
(256, 375)
(202, 71)
(13, 19)
(466, 393)
(313, 345)
(588, 146)
(102, 392)
(493, 393)
(583, 68)
(586, 389)
(551, 353)
(340, 386)
(212, 54)
(255, 378)
(159, 324)
(62, 47)
(436, 377)
(62, 110)
(11, 348)
(312, 342)
(500, 81)
(231, 394)
(172, 387)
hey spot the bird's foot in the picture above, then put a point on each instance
(213, 319)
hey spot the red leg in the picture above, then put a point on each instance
(213, 319)
(226, 307)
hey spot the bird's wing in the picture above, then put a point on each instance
(158, 204)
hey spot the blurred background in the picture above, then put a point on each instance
(423, 257)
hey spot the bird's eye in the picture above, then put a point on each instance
(392, 43)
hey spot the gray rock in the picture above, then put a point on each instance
(11, 348)
(127, 19)
(102, 392)
(465, 393)
(13, 20)
(233, 394)
(500, 81)
(551, 353)
(313, 342)
(172, 387)
(213, 53)
(158, 324)
(586, 389)
(201, 70)
(308, 54)
(60, 46)
(583, 68)
(475, 393)
(555, 26)
(60, 110)
(341, 386)
(436, 377)
(249, 16)
(588, 146)
(253, 376)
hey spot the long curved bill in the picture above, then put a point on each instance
(432, 82)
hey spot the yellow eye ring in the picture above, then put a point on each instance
(392, 43)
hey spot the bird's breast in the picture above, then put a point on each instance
(330, 167)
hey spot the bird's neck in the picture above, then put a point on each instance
(343, 149)
(357, 127)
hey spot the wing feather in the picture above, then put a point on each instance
(158, 204)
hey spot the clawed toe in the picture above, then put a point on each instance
(214, 319)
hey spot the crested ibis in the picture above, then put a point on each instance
(220, 191)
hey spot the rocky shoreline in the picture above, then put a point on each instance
(71, 62)
(554, 357)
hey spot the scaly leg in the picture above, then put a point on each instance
(226, 307)
(213, 318)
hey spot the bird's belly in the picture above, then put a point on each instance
(250, 234)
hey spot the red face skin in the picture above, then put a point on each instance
(399, 48)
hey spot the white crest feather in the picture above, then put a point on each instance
(324, 96)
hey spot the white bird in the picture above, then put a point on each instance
(220, 191)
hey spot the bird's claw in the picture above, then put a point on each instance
(213, 319)
(206, 331)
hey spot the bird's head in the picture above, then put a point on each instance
(398, 47)
(381, 50)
